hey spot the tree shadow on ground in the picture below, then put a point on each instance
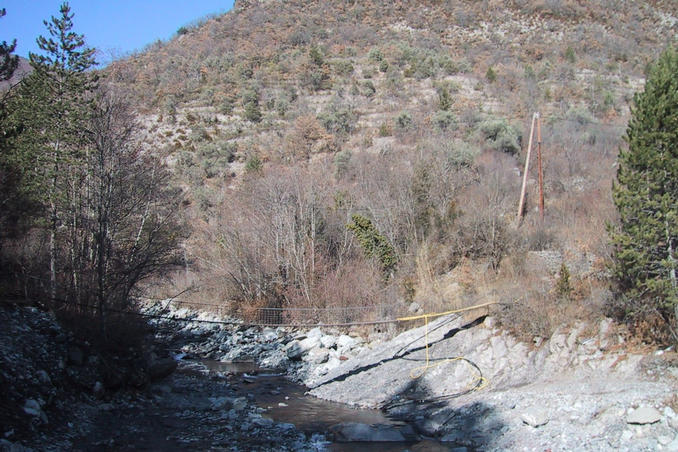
(474, 425)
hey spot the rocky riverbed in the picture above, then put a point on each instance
(481, 389)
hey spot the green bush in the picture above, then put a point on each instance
(375, 55)
(404, 120)
(338, 119)
(444, 120)
(501, 135)
(374, 244)
(491, 75)
(252, 112)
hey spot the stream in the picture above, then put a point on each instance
(287, 402)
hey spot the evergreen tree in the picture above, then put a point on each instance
(51, 108)
(374, 244)
(8, 62)
(646, 196)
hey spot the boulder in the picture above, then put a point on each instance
(317, 356)
(535, 417)
(346, 342)
(328, 341)
(314, 333)
(643, 415)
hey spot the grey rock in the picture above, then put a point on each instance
(643, 415)
(43, 377)
(317, 356)
(309, 343)
(240, 404)
(534, 417)
(294, 350)
(32, 407)
(347, 432)
(269, 335)
(414, 307)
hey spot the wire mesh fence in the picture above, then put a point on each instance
(302, 316)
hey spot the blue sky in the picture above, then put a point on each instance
(116, 27)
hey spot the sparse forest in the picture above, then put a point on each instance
(93, 216)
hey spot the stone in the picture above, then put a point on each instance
(414, 307)
(269, 335)
(240, 404)
(32, 408)
(328, 341)
(346, 342)
(161, 368)
(294, 350)
(314, 333)
(43, 377)
(643, 415)
(534, 417)
(317, 356)
(348, 432)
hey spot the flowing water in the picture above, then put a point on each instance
(285, 401)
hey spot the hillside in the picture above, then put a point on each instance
(282, 120)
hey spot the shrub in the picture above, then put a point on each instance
(404, 120)
(444, 120)
(339, 119)
(252, 112)
(491, 75)
(385, 129)
(501, 135)
(375, 55)
(254, 165)
(341, 162)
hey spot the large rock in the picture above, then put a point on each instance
(535, 417)
(296, 349)
(643, 415)
(345, 342)
(317, 356)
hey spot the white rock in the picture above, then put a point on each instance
(673, 445)
(346, 342)
(626, 435)
(315, 333)
(534, 417)
(643, 415)
(328, 341)
(414, 307)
